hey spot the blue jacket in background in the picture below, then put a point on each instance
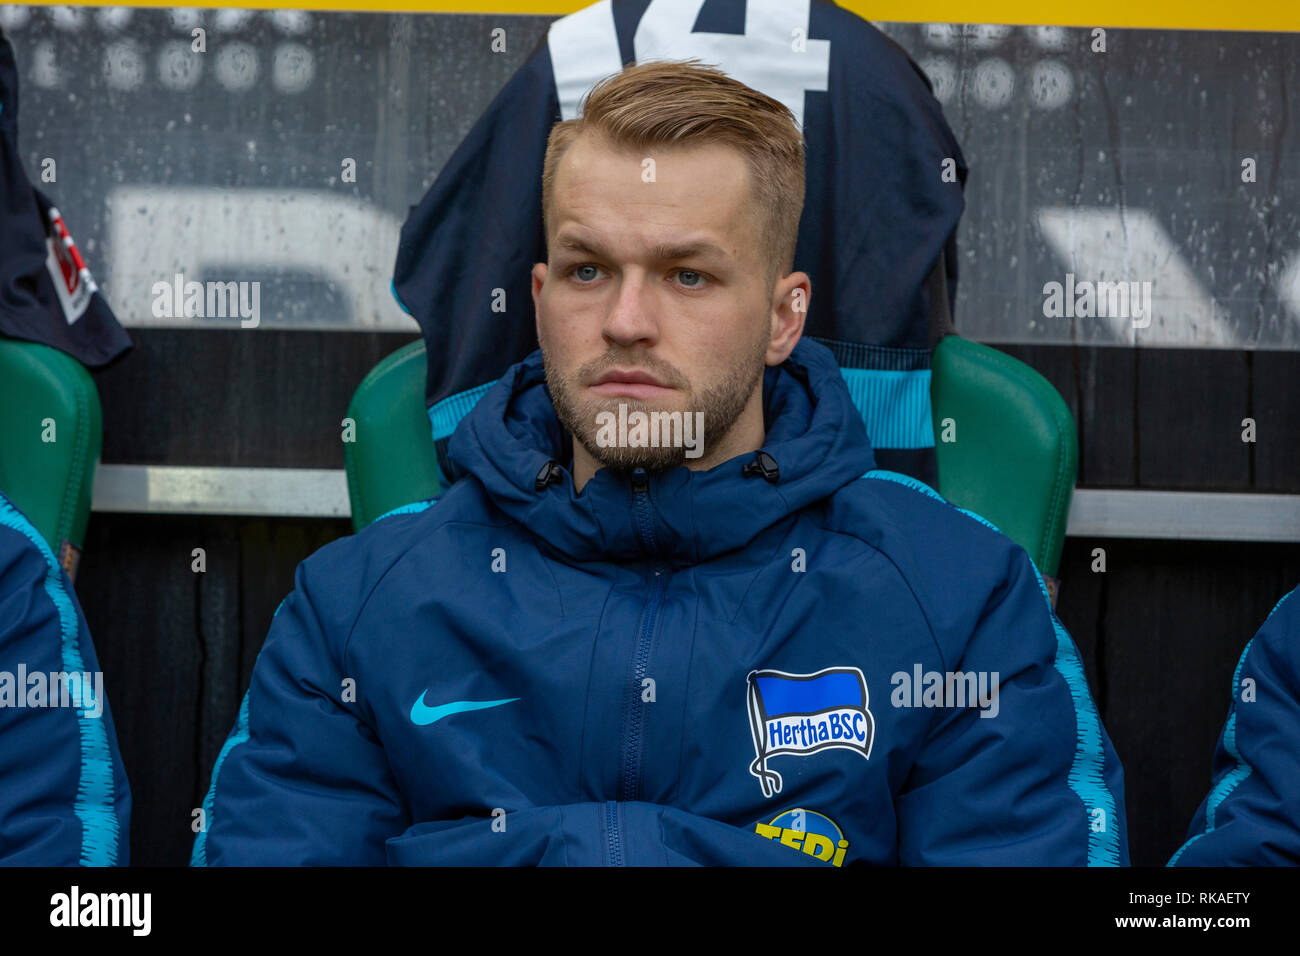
(49, 295)
(1251, 816)
(687, 667)
(64, 797)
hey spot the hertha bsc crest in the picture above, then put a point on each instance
(801, 714)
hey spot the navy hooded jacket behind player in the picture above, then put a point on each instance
(47, 294)
(883, 199)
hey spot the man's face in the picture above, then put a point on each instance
(662, 280)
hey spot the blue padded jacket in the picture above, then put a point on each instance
(64, 798)
(1251, 816)
(744, 665)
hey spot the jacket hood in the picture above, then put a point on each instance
(514, 445)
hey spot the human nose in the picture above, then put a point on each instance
(631, 317)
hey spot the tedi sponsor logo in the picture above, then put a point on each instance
(208, 300)
(813, 833)
(75, 908)
(1086, 299)
(640, 429)
(81, 689)
(947, 689)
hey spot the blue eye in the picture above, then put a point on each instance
(688, 272)
(577, 269)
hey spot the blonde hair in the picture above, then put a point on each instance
(684, 103)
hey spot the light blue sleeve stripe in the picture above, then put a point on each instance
(917, 485)
(445, 415)
(94, 805)
(895, 405)
(392, 287)
(1282, 601)
(1087, 771)
(1086, 778)
(199, 856)
(1230, 779)
(1233, 778)
(413, 508)
(239, 734)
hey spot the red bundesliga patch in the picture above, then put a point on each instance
(72, 280)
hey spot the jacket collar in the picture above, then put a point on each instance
(512, 442)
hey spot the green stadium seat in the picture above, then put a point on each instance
(49, 394)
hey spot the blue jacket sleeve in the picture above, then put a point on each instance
(1029, 778)
(1251, 815)
(302, 778)
(64, 798)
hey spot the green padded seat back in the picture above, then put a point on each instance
(1016, 452)
(392, 461)
(45, 393)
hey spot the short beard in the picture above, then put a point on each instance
(721, 404)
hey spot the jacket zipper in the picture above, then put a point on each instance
(629, 787)
(612, 836)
